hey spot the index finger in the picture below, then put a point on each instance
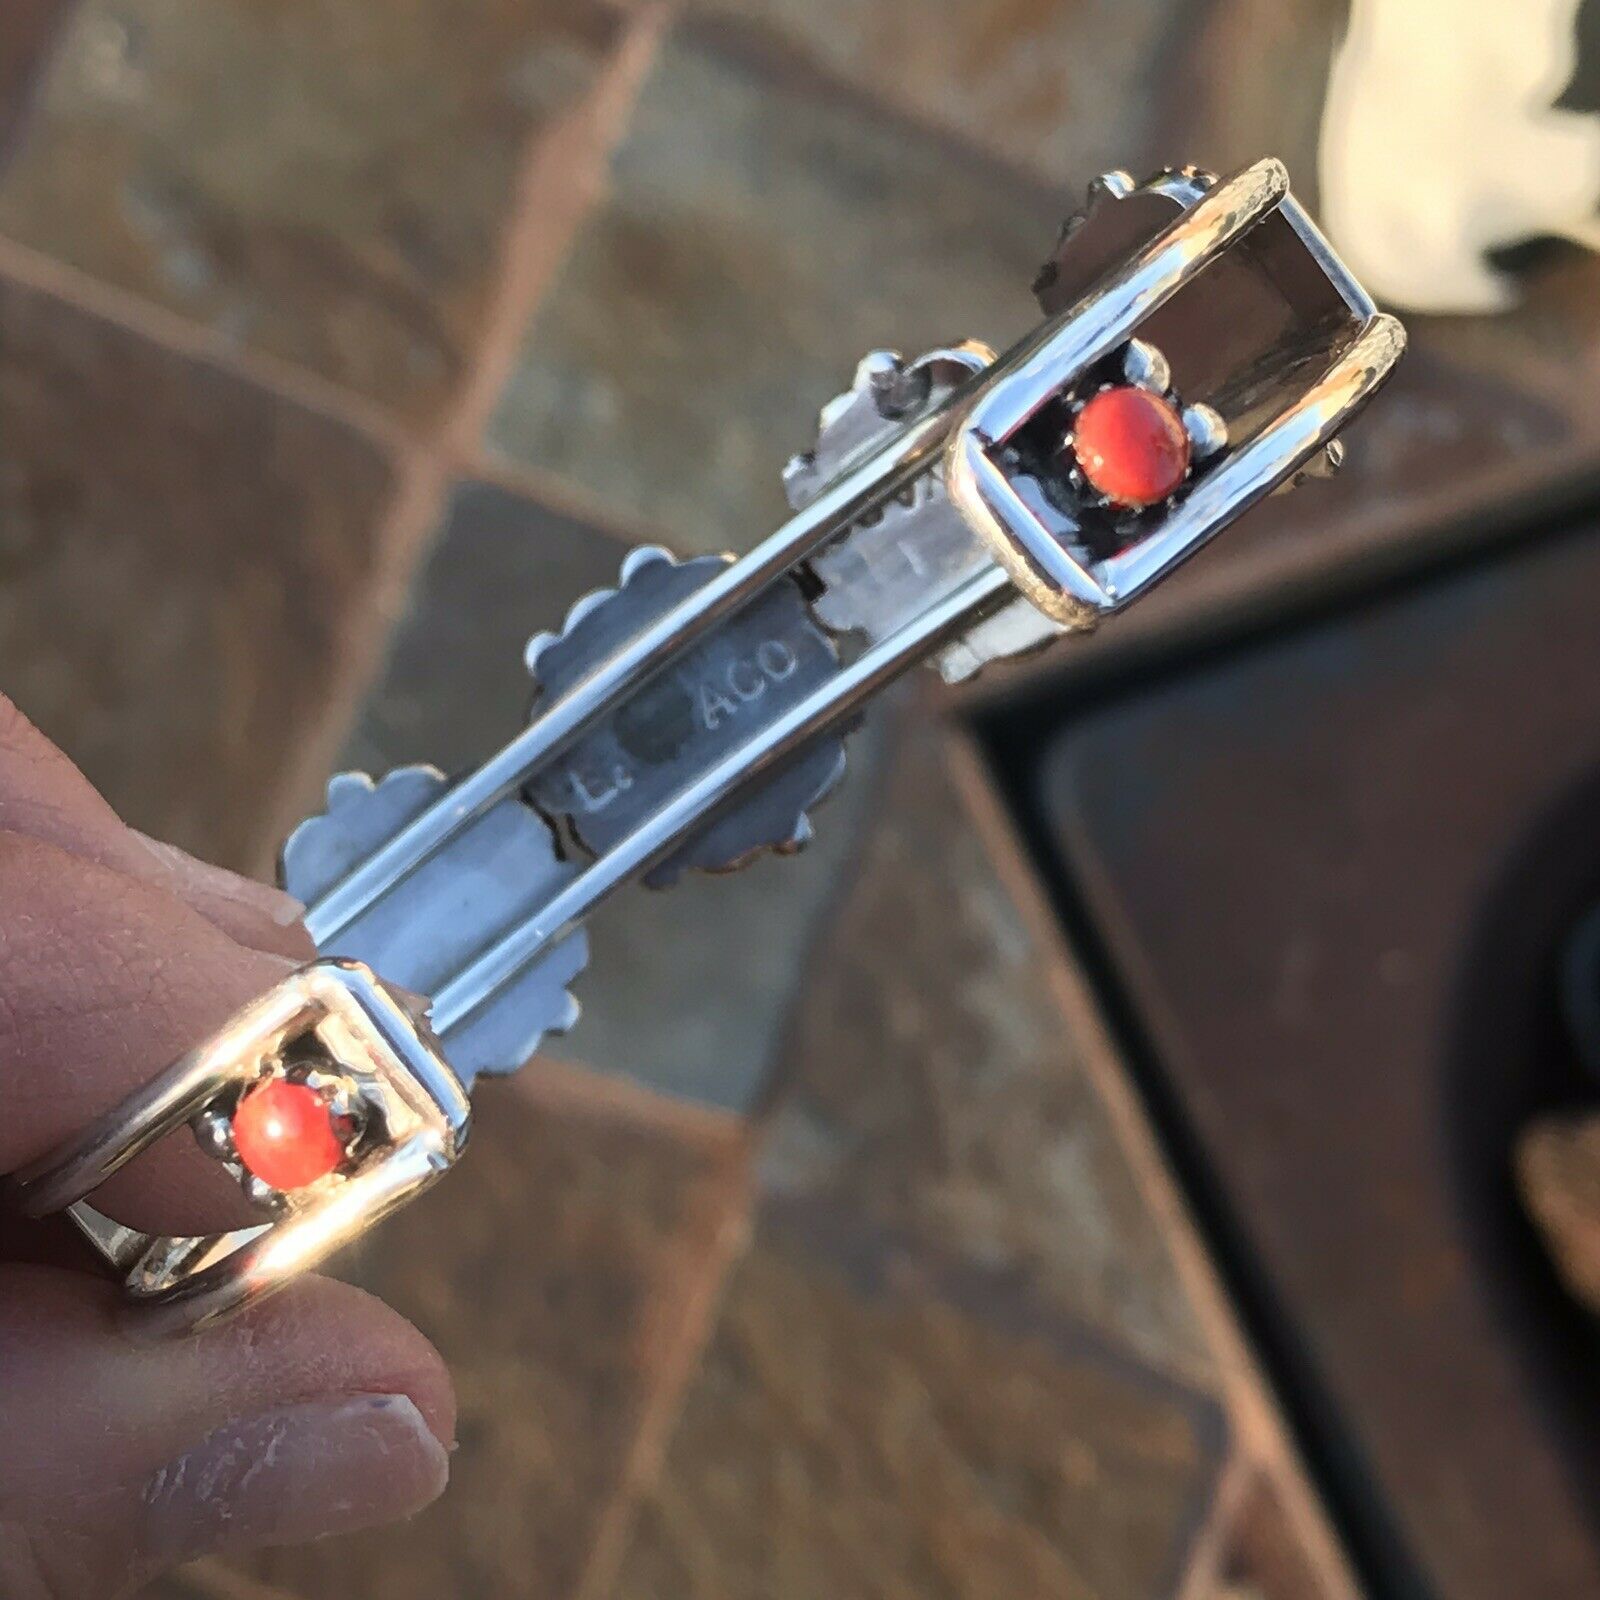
(43, 795)
(103, 981)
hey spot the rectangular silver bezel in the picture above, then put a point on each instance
(1033, 542)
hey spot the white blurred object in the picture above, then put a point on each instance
(1441, 141)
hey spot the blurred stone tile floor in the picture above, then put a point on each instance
(760, 234)
(327, 184)
(183, 557)
(341, 345)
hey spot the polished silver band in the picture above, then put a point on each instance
(368, 1052)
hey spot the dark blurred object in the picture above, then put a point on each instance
(1334, 875)
(1580, 992)
(31, 28)
(1558, 1169)
(1558, 1156)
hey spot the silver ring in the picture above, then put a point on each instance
(327, 1098)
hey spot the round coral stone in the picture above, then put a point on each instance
(284, 1134)
(1131, 445)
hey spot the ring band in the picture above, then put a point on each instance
(327, 1097)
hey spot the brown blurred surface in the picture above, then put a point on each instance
(341, 345)
(1383, 829)
(322, 183)
(601, 1231)
(762, 232)
(1262, 1558)
(183, 555)
(1557, 1160)
(933, 1373)
(835, 1440)
(31, 29)
(931, 1089)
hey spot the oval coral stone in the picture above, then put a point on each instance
(1131, 446)
(284, 1134)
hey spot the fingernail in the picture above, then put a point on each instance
(295, 1474)
(200, 877)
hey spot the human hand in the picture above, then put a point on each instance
(318, 1412)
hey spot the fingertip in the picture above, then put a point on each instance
(103, 1401)
(254, 913)
(355, 1343)
(319, 1413)
(301, 1472)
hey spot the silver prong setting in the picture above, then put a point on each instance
(878, 369)
(1145, 367)
(1139, 364)
(1116, 185)
(1322, 466)
(333, 1012)
(342, 1104)
(346, 1101)
(1208, 433)
(213, 1132)
(881, 372)
(262, 1195)
(349, 1100)
(894, 387)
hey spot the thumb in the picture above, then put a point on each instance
(319, 1413)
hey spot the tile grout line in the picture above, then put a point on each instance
(401, 529)
(531, 251)
(554, 493)
(1252, 1407)
(766, 52)
(563, 178)
(1203, 1571)
(685, 1323)
(179, 335)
